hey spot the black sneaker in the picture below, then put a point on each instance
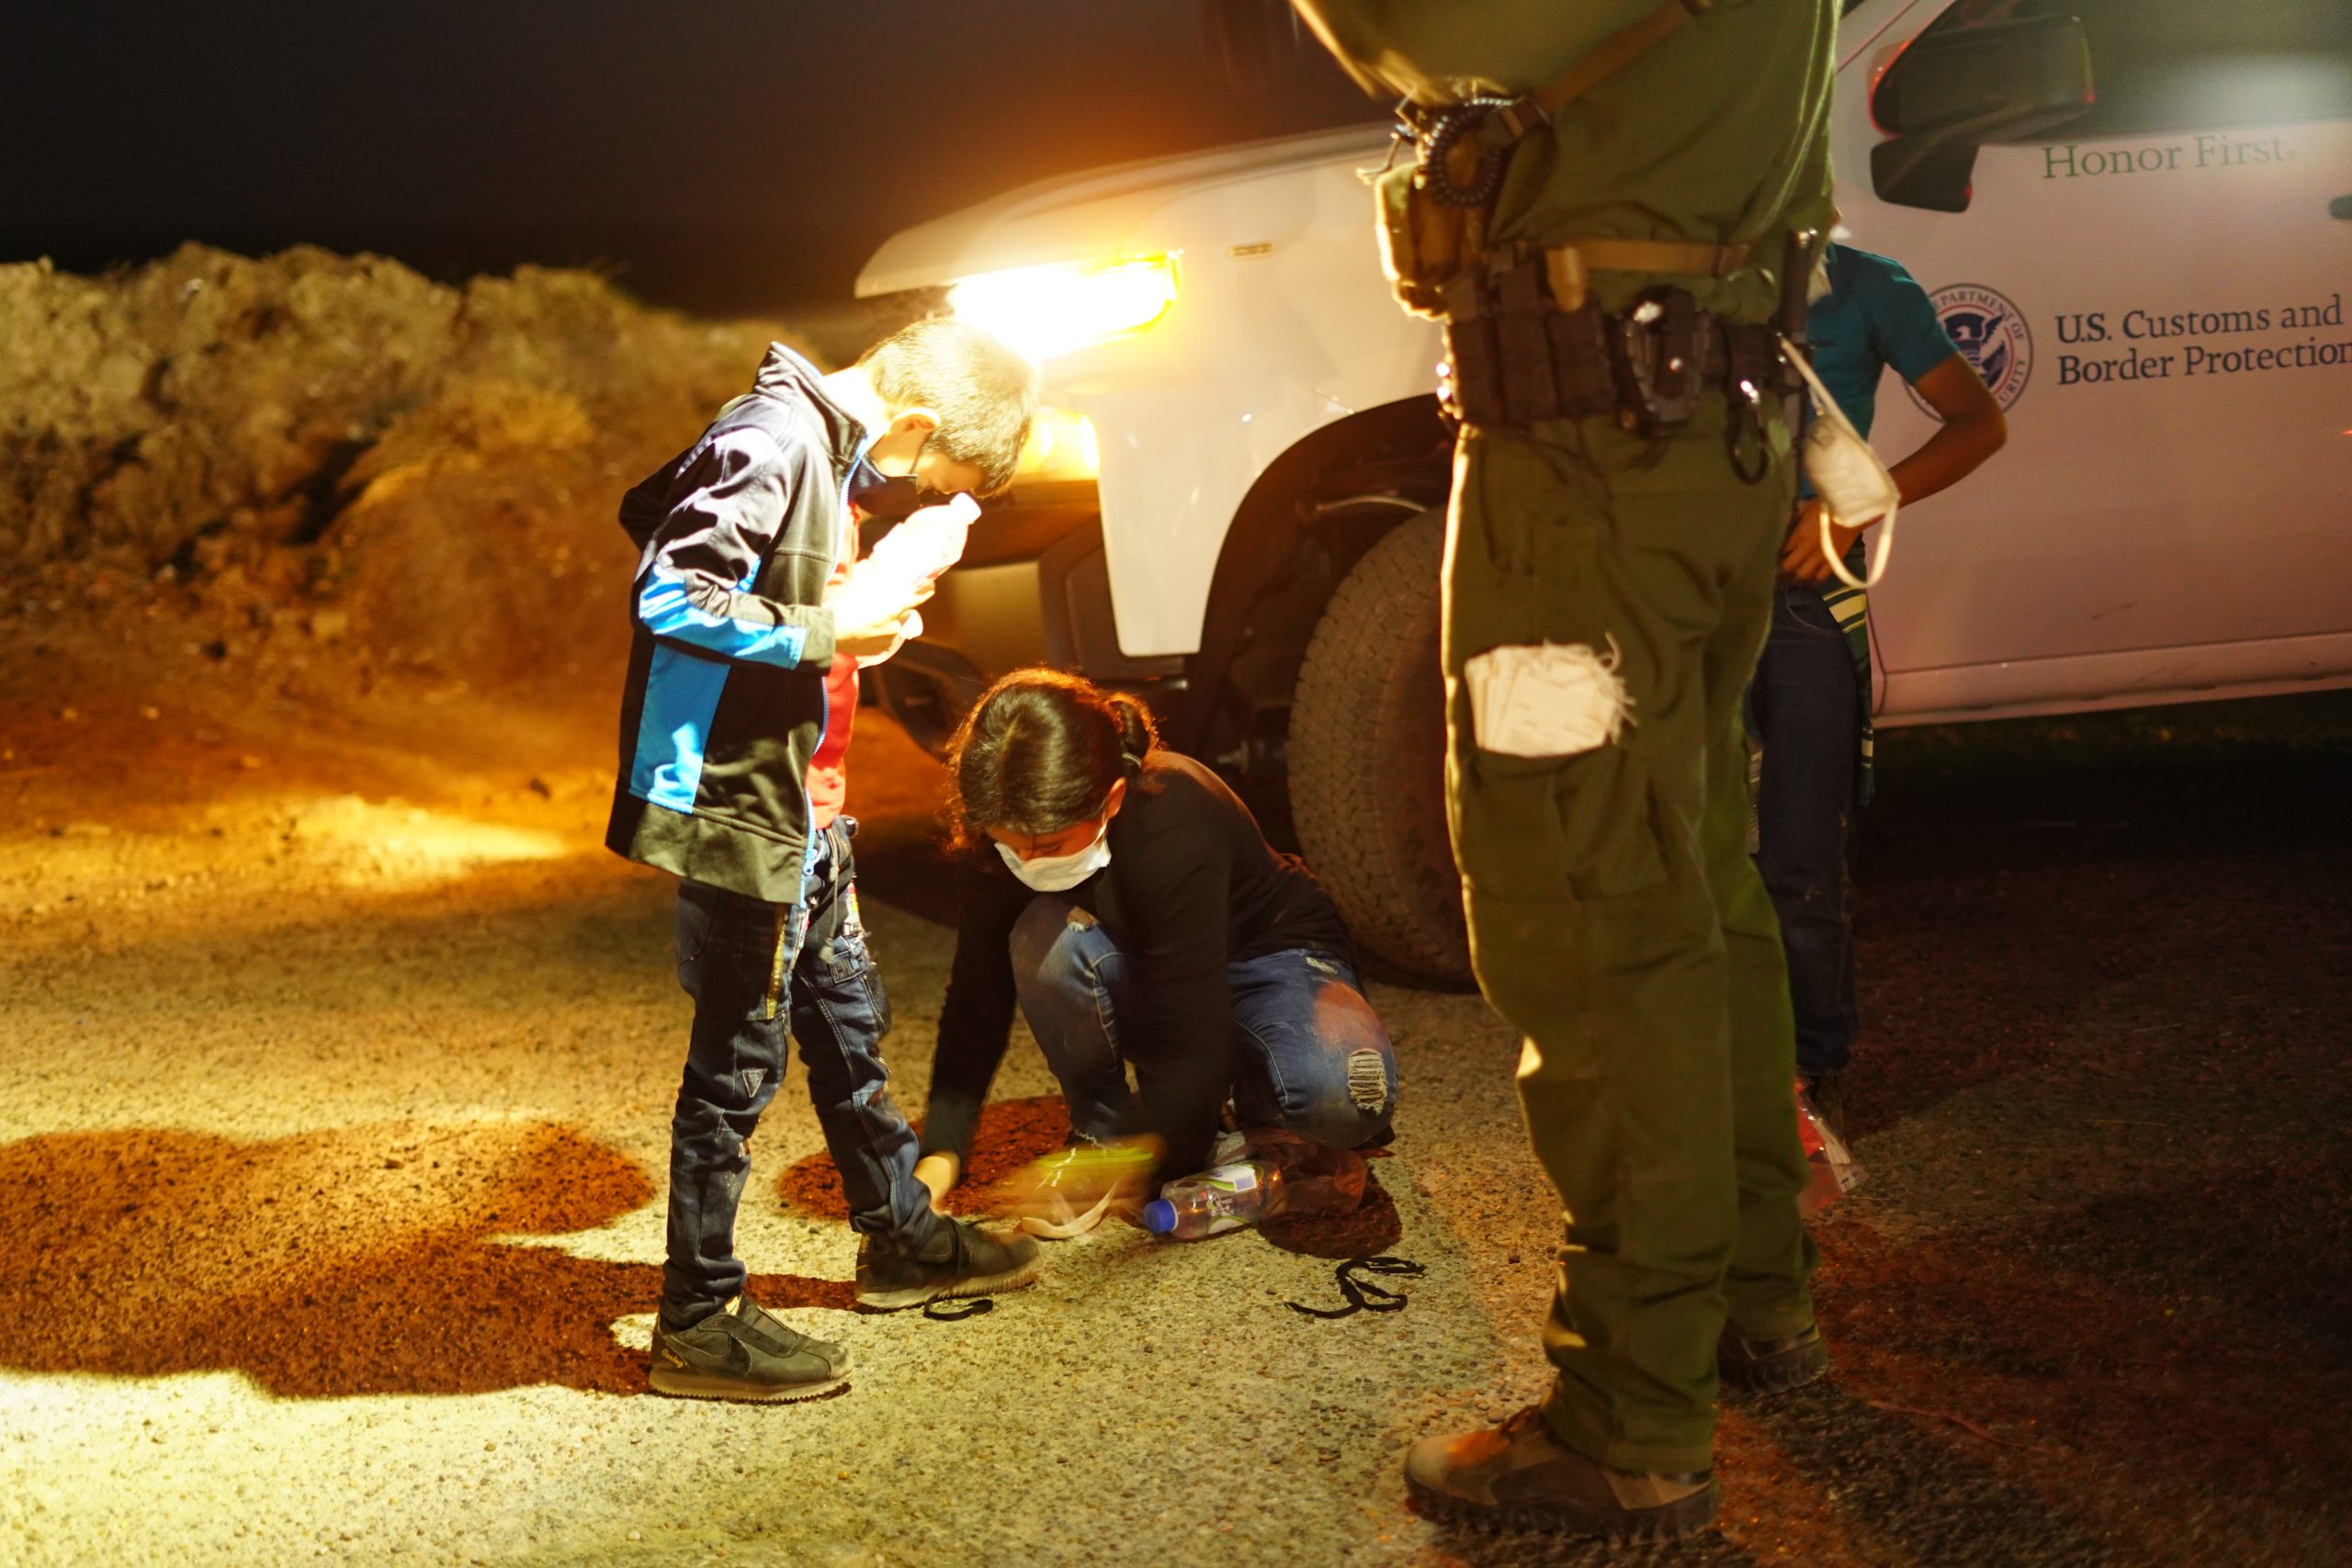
(1770, 1366)
(960, 1259)
(741, 1352)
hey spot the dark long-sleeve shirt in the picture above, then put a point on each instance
(1192, 887)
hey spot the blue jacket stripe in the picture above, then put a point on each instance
(681, 698)
(666, 611)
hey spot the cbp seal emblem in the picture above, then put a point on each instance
(1991, 331)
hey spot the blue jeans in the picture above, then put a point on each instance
(755, 969)
(1313, 1055)
(1802, 708)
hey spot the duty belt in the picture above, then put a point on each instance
(1526, 342)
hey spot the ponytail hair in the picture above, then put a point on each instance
(1040, 751)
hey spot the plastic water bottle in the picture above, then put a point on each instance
(1223, 1197)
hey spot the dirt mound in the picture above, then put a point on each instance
(317, 448)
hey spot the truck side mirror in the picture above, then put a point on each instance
(1951, 92)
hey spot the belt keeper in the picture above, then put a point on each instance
(1522, 115)
(1564, 270)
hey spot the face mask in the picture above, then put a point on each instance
(894, 496)
(1058, 873)
(1853, 484)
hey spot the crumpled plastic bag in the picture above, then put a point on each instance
(1835, 1171)
(1316, 1179)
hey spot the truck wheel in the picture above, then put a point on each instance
(1367, 757)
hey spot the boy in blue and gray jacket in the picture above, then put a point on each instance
(737, 628)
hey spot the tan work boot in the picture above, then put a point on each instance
(1518, 1476)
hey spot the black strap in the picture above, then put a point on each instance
(957, 1311)
(1361, 1293)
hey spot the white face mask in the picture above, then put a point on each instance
(1058, 873)
(1854, 485)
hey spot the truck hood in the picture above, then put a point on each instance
(1098, 213)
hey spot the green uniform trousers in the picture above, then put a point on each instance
(1616, 918)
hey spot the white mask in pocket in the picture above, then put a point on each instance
(1855, 488)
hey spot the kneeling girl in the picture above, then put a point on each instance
(1125, 898)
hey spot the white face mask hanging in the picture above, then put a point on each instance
(1855, 488)
(1059, 874)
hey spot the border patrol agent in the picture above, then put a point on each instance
(1610, 202)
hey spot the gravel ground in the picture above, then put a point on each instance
(333, 1084)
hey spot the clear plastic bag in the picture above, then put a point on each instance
(1835, 1171)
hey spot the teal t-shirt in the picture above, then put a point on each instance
(1874, 316)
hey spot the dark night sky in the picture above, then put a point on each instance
(737, 155)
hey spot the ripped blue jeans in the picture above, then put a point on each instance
(1312, 1055)
(757, 971)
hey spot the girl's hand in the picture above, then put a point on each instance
(940, 1173)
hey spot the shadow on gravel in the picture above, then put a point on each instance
(1888, 1476)
(2011, 871)
(1372, 1226)
(2170, 1337)
(1478, 1548)
(355, 1261)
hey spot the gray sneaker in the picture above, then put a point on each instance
(741, 1352)
(960, 1259)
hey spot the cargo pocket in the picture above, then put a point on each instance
(845, 971)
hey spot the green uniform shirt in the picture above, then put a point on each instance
(1693, 140)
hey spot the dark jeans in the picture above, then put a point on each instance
(1314, 1058)
(1803, 709)
(754, 969)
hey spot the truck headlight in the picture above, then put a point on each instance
(1048, 311)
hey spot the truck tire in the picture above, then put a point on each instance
(1367, 757)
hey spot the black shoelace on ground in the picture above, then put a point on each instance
(957, 1311)
(1361, 1293)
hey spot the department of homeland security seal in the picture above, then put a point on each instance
(1991, 331)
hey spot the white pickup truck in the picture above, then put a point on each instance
(1238, 500)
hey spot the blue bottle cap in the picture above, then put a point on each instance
(1159, 1216)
